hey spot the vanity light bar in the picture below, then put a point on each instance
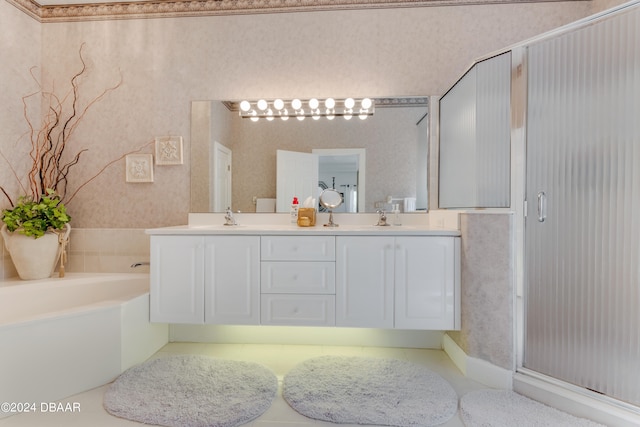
(314, 108)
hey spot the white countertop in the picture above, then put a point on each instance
(342, 230)
(279, 224)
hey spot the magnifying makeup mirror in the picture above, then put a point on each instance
(330, 199)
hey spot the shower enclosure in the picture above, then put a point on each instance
(573, 150)
(582, 228)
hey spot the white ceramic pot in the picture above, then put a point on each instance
(34, 258)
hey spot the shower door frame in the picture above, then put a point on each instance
(544, 388)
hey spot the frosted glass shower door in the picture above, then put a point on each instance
(582, 297)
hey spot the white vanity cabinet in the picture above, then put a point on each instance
(364, 281)
(205, 279)
(376, 277)
(177, 279)
(402, 282)
(427, 283)
(298, 280)
(232, 280)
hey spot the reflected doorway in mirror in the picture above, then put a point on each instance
(220, 177)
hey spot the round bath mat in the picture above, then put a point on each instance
(505, 408)
(189, 390)
(360, 390)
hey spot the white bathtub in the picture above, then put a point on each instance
(59, 337)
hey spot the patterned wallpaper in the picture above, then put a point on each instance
(166, 63)
(487, 288)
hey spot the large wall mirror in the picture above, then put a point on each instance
(475, 138)
(374, 163)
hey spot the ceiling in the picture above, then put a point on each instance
(86, 10)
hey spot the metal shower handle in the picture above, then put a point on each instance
(542, 206)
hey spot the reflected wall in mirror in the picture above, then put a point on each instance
(395, 139)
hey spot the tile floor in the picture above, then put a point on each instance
(279, 358)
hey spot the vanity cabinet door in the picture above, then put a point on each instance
(427, 283)
(364, 281)
(232, 280)
(177, 285)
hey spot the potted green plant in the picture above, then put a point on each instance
(35, 233)
(35, 218)
(38, 220)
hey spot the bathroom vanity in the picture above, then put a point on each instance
(405, 277)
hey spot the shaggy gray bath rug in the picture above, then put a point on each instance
(358, 390)
(194, 391)
(505, 408)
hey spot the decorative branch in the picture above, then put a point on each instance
(106, 166)
(7, 196)
(50, 141)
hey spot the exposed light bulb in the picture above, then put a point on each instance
(315, 114)
(245, 106)
(278, 108)
(349, 103)
(330, 103)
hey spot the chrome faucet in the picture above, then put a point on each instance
(229, 219)
(382, 218)
(140, 264)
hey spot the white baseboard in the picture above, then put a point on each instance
(455, 353)
(579, 403)
(476, 369)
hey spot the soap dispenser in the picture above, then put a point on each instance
(396, 214)
(294, 211)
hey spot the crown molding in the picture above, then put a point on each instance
(185, 8)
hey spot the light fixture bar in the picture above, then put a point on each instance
(302, 108)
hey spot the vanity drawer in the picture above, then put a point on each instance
(300, 310)
(298, 248)
(298, 277)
